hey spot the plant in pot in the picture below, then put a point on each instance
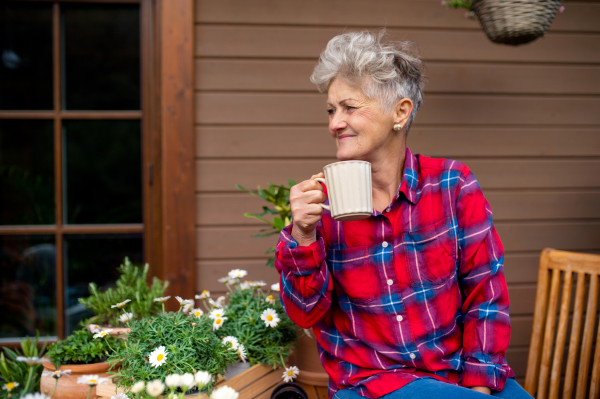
(132, 290)
(255, 323)
(306, 357)
(21, 369)
(169, 349)
(82, 354)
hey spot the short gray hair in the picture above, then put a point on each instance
(387, 72)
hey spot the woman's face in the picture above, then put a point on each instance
(361, 129)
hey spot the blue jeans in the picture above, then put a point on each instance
(431, 388)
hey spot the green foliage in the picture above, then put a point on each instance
(189, 342)
(130, 285)
(82, 348)
(28, 377)
(279, 197)
(265, 345)
(466, 4)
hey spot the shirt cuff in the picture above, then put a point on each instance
(477, 374)
(300, 260)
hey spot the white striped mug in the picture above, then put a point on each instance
(349, 190)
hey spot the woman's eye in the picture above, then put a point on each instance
(350, 108)
(330, 112)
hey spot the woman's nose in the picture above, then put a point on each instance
(337, 123)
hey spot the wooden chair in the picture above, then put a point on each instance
(558, 272)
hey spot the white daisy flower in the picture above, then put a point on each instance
(138, 387)
(202, 379)
(120, 396)
(95, 328)
(125, 317)
(205, 294)
(162, 299)
(257, 283)
(218, 323)
(121, 304)
(187, 380)
(173, 381)
(158, 357)
(9, 386)
(35, 395)
(57, 373)
(226, 280)
(215, 313)
(196, 313)
(103, 333)
(224, 392)
(155, 387)
(245, 285)
(270, 317)
(242, 353)
(92, 380)
(270, 299)
(231, 342)
(307, 332)
(237, 273)
(218, 303)
(30, 361)
(275, 287)
(187, 308)
(290, 373)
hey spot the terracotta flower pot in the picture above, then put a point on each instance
(68, 388)
(306, 358)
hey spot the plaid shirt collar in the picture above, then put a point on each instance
(410, 178)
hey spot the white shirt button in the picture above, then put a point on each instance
(387, 209)
(399, 318)
(385, 244)
(390, 282)
(412, 355)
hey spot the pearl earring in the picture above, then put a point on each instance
(397, 127)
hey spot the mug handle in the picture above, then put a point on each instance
(320, 179)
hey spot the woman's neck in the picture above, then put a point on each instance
(386, 174)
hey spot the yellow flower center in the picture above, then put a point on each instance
(93, 381)
(229, 345)
(197, 314)
(160, 357)
(290, 373)
(270, 318)
(270, 297)
(218, 321)
(10, 386)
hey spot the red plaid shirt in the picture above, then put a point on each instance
(416, 291)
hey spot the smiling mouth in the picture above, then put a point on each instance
(345, 136)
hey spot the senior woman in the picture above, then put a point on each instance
(411, 301)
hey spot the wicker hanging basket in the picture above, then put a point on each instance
(515, 22)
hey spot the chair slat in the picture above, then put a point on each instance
(541, 297)
(594, 385)
(549, 335)
(575, 334)
(586, 345)
(561, 335)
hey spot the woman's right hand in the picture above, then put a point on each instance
(305, 198)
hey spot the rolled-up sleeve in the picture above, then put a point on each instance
(304, 278)
(485, 303)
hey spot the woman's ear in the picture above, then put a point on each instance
(402, 111)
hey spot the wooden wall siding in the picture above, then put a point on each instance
(526, 120)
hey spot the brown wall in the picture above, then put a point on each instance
(525, 119)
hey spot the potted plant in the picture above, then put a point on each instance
(21, 369)
(82, 354)
(174, 344)
(131, 290)
(306, 357)
(512, 22)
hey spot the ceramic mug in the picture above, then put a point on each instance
(349, 190)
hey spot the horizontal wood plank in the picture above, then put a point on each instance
(222, 176)
(434, 141)
(443, 45)
(228, 208)
(389, 13)
(438, 109)
(442, 77)
(209, 271)
(238, 242)
(517, 360)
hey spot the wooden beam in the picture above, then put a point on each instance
(177, 146)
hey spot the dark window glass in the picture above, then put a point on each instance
(103, 171)
(27, 286)
(102, 56)
(94, 258)
(26, 172)
(25, 55)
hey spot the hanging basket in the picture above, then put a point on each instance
(515, 22)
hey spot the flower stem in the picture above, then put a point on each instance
(90, 392)
(55, 385)
(29, 378)
(282, 361)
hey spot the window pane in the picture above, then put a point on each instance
(94, 258)
(26, 55)
(103, 172)
(27, 286)
(26, 172)
(101, 56)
